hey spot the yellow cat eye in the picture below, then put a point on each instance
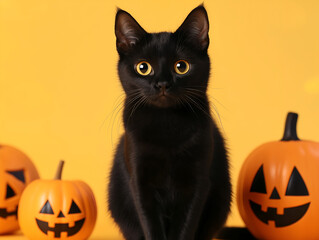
(181, 67)
(143, 68)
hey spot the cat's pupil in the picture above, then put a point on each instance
(181, 66)
(143, 67)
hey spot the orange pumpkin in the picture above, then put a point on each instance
(278, 188)
(57, 209)
(16, 172)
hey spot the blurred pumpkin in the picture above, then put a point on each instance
(16, 172)
(57, 209)
(278, 188)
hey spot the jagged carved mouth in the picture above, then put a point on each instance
(290, 216)
(4, 213)
(60, 227)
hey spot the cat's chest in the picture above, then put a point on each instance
(168, 171)
(166, 129)
(173, 163)
(169, 150)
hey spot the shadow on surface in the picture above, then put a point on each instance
(235, 233)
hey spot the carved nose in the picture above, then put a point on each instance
(162, 86)
(61, 214)
(274, 194)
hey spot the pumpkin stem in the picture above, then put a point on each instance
(58, 173)
(291, 127)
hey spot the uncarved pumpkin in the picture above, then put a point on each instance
(16, 172)
(57, 209)
(278, 188)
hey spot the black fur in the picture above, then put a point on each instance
(170, 178)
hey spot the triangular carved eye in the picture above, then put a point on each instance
(296, 185)
(47, 208)
(74, 208)
(18, 174)
(259, 184)
(9, 193)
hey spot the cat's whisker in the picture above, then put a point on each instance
(195, 93)
(218, 115)
(119, 106)
(139, 103)
(216, 100)
(196, 89)
(138, 100)
(197, 105)
(114, 120)
(202, 89)
(118, 99)
(200, 95)
(180, 102)
(133, 94)
(118, 103)
(189, 105)
(131, 101)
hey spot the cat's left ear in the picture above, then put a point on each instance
(195, 28)
(127, 30)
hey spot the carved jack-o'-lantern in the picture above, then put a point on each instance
(16, 172)
(77, 216)
(278, 188)
(57, 209)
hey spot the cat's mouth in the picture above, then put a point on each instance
(163, 99)
(163, 95)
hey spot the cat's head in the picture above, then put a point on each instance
(164, 69)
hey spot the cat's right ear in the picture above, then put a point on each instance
(128, 32)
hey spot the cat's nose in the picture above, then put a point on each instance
(163, 86)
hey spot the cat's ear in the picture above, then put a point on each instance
(128, 32)
(195, 28)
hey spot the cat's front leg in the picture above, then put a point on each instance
(187, 213)
(148, 211)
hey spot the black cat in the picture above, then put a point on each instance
(170, 178)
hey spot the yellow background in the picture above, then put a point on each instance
(60, 96)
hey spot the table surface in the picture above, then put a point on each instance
(19, 236)
(230, 233)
